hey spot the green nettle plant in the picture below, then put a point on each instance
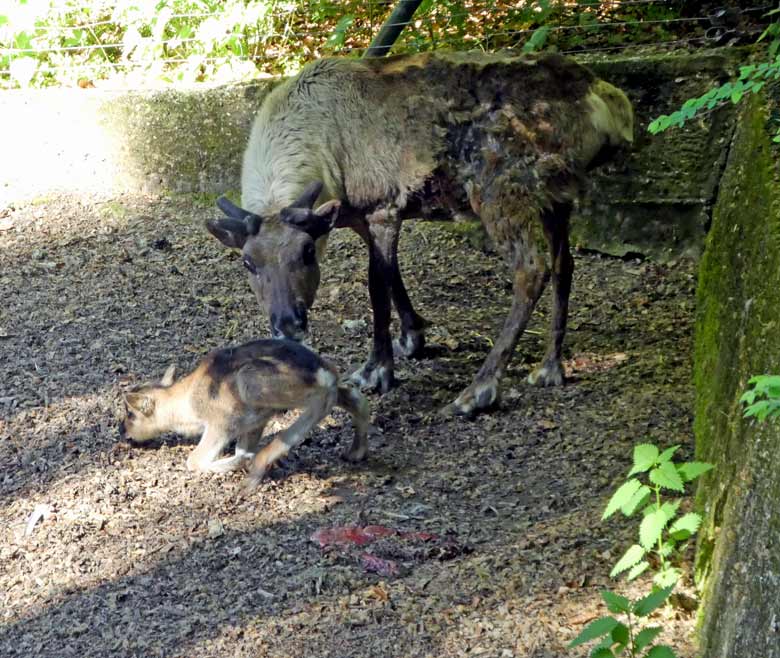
(763, 400)
(663, 536)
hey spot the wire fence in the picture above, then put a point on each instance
(98, 44)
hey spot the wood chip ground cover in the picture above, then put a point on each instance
(131, 555)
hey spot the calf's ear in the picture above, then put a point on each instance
(170, 373)
(141, 403)
(230, 232)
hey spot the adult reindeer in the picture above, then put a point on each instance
(378, 140)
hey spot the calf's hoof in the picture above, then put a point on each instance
(254, 478)
(479, 396)
(373, 377)
(410, 344)
(550, 373)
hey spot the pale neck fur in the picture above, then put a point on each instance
(175, 410)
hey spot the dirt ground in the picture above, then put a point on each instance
(131, 555)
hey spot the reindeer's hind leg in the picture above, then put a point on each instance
(556, 225)
(530, 277)
(353, 402)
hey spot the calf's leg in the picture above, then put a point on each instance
(212, 442)
(318, 406)
(356, 405)
(412, 339)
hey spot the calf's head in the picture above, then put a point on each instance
(144, 410)
(280, 255)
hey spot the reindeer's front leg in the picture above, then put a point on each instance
(529, 280)
(382, 237)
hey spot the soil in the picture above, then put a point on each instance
(113, 550)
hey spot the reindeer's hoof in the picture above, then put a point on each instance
(550, 373)
(373, 377)
(479, 396)
(355, 454)
(410, 344)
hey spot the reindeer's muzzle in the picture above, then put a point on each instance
(291, 324)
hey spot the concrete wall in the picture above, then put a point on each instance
(656, 202)
(94, 141)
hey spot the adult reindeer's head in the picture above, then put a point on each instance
(280, 255)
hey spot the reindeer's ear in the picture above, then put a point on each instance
(309, 196)
(170, 373)
(314, 222)
(140, 402)
(329, 210)
(230, 232)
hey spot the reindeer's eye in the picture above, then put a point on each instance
(248, 264)
(309, 255)
(131, 415)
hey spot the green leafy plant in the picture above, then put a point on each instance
(618, 637)
(752, 78)
(763, 400)
(663, 535)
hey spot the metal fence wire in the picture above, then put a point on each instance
(67, 43)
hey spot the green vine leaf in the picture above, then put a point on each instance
(615, 602)
(637, 570)
(667, 577)
(691, 470)
(685, 526)
(645, 637)
(641, 496)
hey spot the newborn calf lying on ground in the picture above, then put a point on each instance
(233, 393)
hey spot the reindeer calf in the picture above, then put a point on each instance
(233, 393)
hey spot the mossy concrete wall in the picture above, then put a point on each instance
(658, 200)
(737, 336)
